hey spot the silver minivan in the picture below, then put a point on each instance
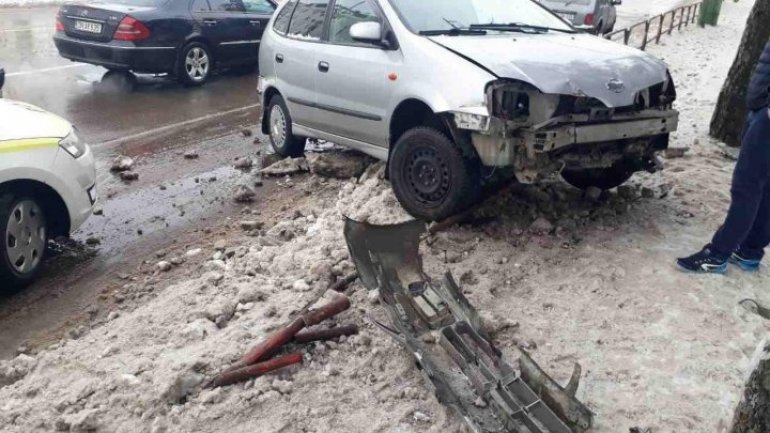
(455, 94)
(594, 16)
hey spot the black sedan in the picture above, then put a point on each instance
(184, 38)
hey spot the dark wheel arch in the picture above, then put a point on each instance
(266, 98)
(59, 223)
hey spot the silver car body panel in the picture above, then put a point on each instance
(354, 101)
(567, 64)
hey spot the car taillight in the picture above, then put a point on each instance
(589, 20)
(130, 29)
(59, 25)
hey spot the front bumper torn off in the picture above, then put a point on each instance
(436, 323)
(496, 148)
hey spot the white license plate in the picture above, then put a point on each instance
(87, 26)
(567, 16)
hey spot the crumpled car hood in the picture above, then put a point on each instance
(571, 64)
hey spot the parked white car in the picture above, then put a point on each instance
(47, 187)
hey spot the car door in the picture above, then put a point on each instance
(225, 28)
(257, 15)
(354, 79)
(295, 58)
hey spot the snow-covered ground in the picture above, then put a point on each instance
(660, 349)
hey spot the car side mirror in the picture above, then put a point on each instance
(617, 2)
(367, 31)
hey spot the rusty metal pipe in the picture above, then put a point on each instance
(284, 335)
(256, 370)
(325, 334)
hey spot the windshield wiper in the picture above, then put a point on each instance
(517, 27)
(455, 31)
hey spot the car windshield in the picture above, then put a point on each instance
(453, 16)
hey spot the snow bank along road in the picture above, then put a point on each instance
(587, 282)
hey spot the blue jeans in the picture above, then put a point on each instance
(747, 225)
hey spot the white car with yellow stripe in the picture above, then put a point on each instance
(47, 187)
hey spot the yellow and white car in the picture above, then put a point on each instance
(47, 187)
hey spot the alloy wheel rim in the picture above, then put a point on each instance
(278, 126)
(428, 175)
(197, 64)
(25, 236)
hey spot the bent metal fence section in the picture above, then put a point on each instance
(641, 34)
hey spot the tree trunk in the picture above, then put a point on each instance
(731, 111)
(753, 412)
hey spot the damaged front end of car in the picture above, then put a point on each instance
(541, 134)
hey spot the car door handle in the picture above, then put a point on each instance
(323, 67)
(279, 58)
(210, 22)
(255, 23)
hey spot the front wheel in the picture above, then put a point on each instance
(195, 64)
(431, 177)
(602, 178)
(24, 239)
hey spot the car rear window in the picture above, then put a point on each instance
(281, 24)
(307, 22)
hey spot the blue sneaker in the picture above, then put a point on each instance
(739, 259)
(704, 262)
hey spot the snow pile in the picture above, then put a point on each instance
(570, 279)
(143, 370)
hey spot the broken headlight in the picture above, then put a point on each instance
(472, 118)
(73, 145)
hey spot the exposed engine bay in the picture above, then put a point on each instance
(540, 134)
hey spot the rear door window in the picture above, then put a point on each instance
(281, 24)
(349, 12)
(307, 22)
(261, 7)
(227, 6)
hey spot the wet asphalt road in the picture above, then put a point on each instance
(155, 125)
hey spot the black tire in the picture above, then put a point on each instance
(431, 177)
(199, 71)
(282, 138)
(603, 178)
(17, 269)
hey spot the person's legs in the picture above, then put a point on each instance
(748, 191)
(752, 173)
